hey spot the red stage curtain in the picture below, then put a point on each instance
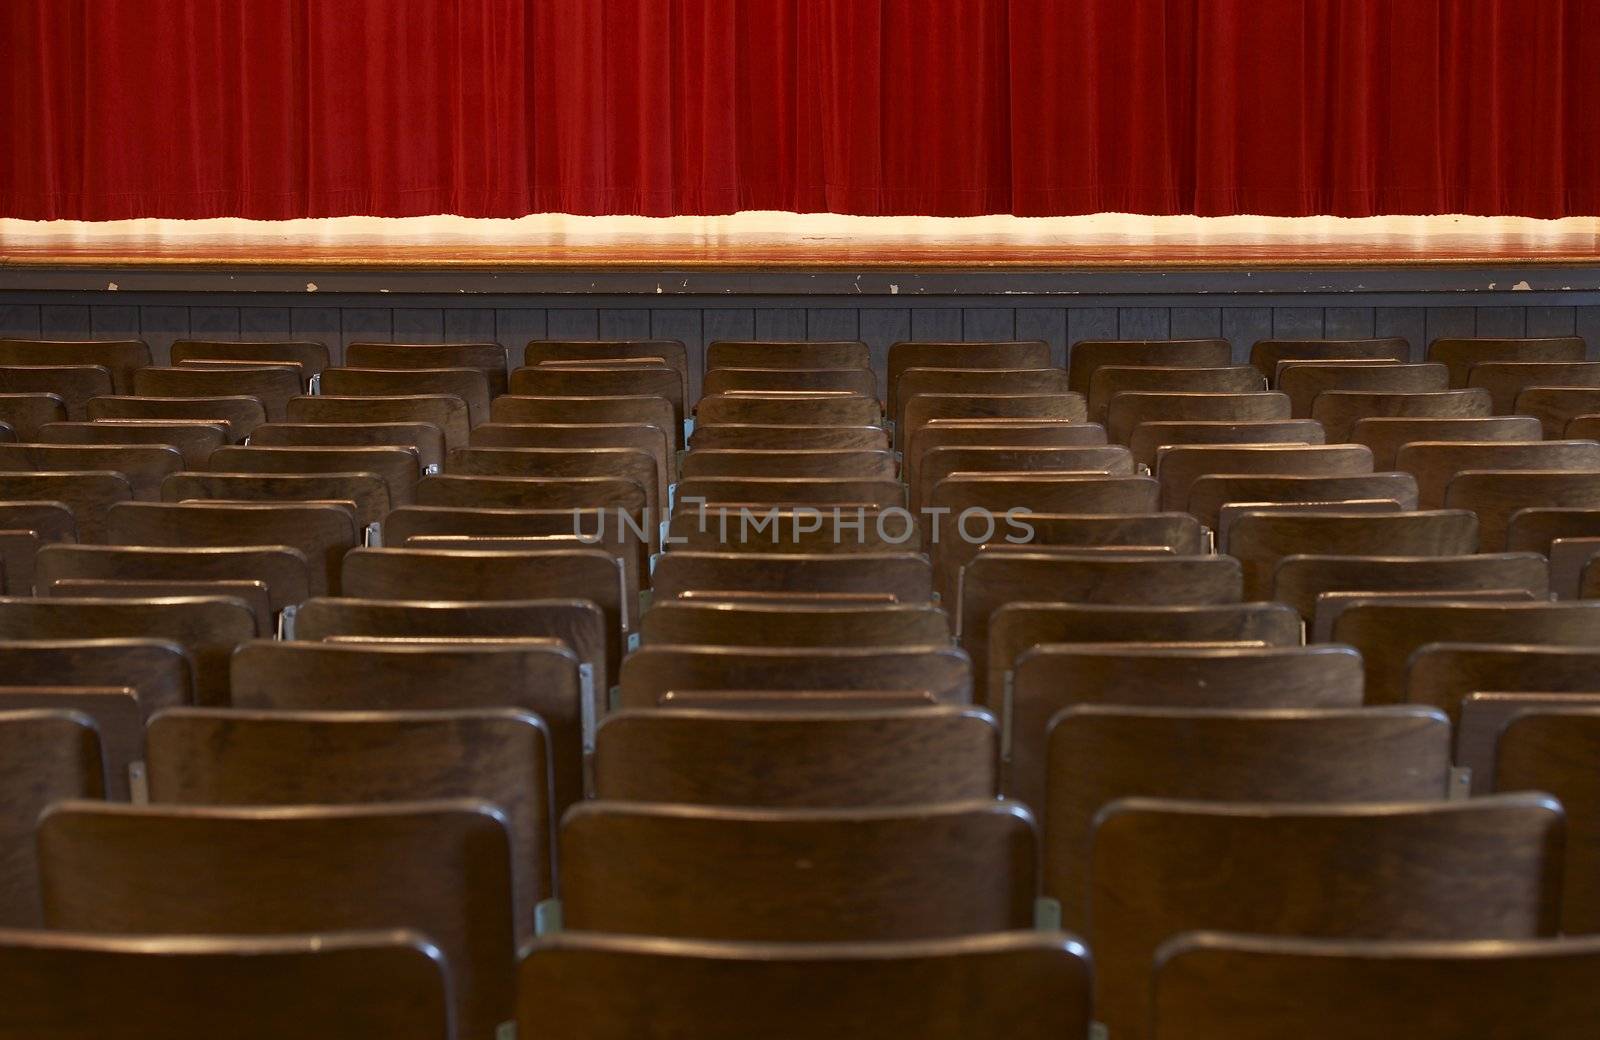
(290, 108)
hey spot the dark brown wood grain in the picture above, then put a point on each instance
(1483, 717)
(1460, 354)
(312, 357)
(1386, 435)
(1209, 493)
(798, 875)
(469, 492)
(1178, 466)
(1445, 673)
(284, 570)
(798, 759)
(737, 624)
(1017, 985)
(651, 672)
(366, 493)
(1339, 410)
(938, 463)
(238, 415)
(802, 462)
(442, 868)
(116, 714)
(652, 440)
(990, 382)
(1261, 541)
(784, 437)
(400, 467)
(26, 414)
(787, 354)
(253, 594)
(1016, 354)
(640, 467)
(90, 495)
(861, 381)
(118, 357)
(1505, 379)
(74, 986)
(1486, 869)
(639, 409)
(489, 358)
(500, 756)
(1087, 356)
(794, 491)
(1109, 380)
(1149, 438)
(1130, 409)
(1073, 494)
(145, 465)
(821, 409)
(45, 757)
(1304, 381)
(1052, 677)
(1555, 751)
(1435, 463)
(1497, 495)
(637, 379)
(1268, 354)
(159, 671)
(76, 385)
(194, 439)
(272, 385)
(904, 576)
(471, 385)
(1301, 580)
(1097, 754)
(925, 408)
(671, 351)
(426, 439)
(1213, 986)
(447, 412)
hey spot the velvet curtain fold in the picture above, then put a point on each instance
(289, 108)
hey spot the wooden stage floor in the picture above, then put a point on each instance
(758, 241)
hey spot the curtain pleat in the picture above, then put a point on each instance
(290, 108)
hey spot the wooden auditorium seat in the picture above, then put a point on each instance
(905, 354)
(1339, 410)
(1109, 380)
(1460, 354)
(238, 414)
(1436, 463)
(1506, 379)
(194, 439)
(1302, 580)
(1088, 356)
(1305, 381)
(803, 408)
(272, 385)
(643, 409)
(1269, 354)
(120, 358)
(310, 356)
(1178, 466)
(1261, 541)
(75, 385)
(787, 437)
(399, 467)
(45, 757)
(860, 381)
(470, 385)
(488, 358)
(26, 414)
(1498, 495)
(365, 494)
(1149, 438)
(787, 354)
(651, 675)
(445, 411)
(89, 495)
(1386, 435)
(1130, 409)
(144, 465)
(989, 382)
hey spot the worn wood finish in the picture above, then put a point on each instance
(467, 492)
(1483, 719)
(1386, 435)
(114, 711)
(489, 358)
(1497, 495)
(957, 542)
(733, 624)
(925, 408)
(442, 868)
(904, 576)
(1444, 674)
(272, 385)
(1302, 580)
(1073, 494)
(798, 760)
(1016, 627)
(424, 439)
(447, 412)
(999, 433)
(144, 465)
(578, 625)
(1178, 466)
(159, 672)
(17, 550)
(788, 437)
(1268, 354)
(1110, 380)
(767, 529)
(671, 351)
(939, 463)
(238, 415)
(990, 382)
(45, 757)
(1097, 754)
(600, 380)
(1088, 356)
(193, 439)
(1305, 381)
(253, 594)
(310, 356)
(1339, 410)
(640, 467)
(1128, 410)
(27, 414)
(1487, 869)
(1150, 439)
(78, 986)
(861, 381)
(623, 545)
(1462, 353)
(1261, 541)
(652, 440)
(400, 467)
(633, 408)
(1435, 463)
(588, 574)
(1213, 986)
(76, 385)
(1332, 605)
(1555, 751)
(805, 462)
(796, 408)
(208, 627)
(1535, 529)
(285, 571)
(1569, 567)
(322, 531)
(90, 495)
(49, 522)
(1583, 427)
(1210, 493)
(120, 358)
(470, 385)
(1033, 354)
(652, 672)
(367, 494)
(1388, 633)
(787, 354)
(798, 700)
(1506, 379)
(1052, 677)
(1014, 986)
(799, 875)
(993, 580)
(500, 756)
(794, 491)
(1556, 406)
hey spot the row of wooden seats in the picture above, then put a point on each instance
(720, 640)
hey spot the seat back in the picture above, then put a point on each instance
(45, 757)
